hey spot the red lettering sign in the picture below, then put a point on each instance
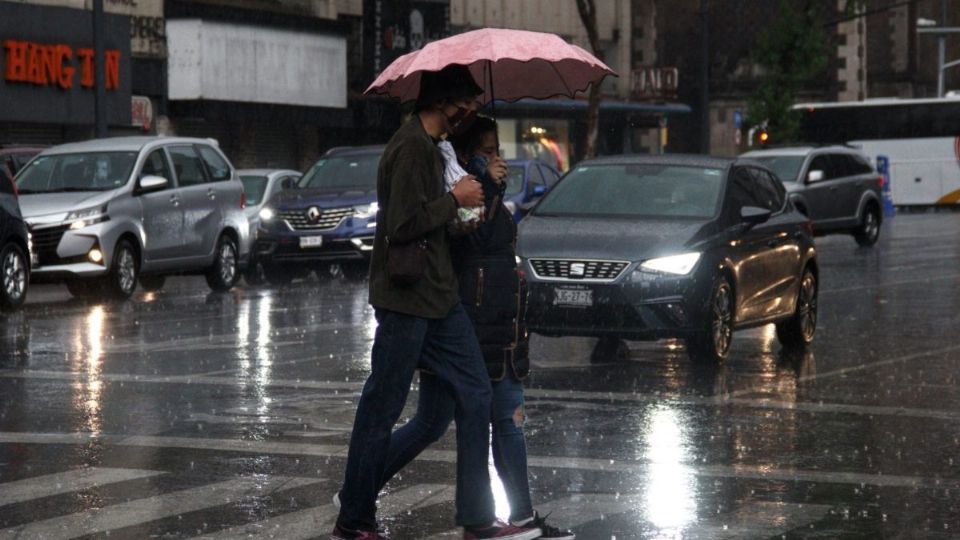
(49, 65)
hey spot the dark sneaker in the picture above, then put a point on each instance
(548, 531)
(501, 531)
(343, 533)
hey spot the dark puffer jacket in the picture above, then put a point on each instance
(491, 290)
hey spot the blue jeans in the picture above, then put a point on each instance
(449, 348)
(435, 410)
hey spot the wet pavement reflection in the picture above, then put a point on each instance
(189, 414)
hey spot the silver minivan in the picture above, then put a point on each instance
(107, 213)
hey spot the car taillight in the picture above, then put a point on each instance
(243, 200)
(881, 181)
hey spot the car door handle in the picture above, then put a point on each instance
(211, 194)
(174, 200)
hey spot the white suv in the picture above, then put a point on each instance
(106, 213)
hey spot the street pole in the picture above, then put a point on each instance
(942, 50)
(99, 61)
(705, 78)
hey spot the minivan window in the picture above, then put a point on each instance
(90, 171)
(156, 164)
(188, 166)
(216, 165)
(356, 172)
(254, 185)
(635, 190)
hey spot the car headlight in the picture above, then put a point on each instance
(86, 217)
(267, 213)
(678, 265)
(366, 211)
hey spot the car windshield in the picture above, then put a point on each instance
(635, 190)
(92, 171)
(254, 186)
(514, 180)
(357, 172)
(787, 168)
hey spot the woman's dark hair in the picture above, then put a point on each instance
(469, 140)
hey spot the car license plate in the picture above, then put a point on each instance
(311, 241)
(573, 297)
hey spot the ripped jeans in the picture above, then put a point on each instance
(434, 414)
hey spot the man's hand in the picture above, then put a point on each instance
(497, 169)
(468, 192)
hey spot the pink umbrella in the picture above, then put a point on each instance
(507, 64)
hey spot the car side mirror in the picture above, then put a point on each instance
(815, 176)
(152, 183)
(538, 191)
(754, 215)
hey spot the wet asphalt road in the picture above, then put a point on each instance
(187, 414)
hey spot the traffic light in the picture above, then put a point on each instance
(763, 136)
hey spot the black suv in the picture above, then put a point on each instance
(14, 248)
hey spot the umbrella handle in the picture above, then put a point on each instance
(493, 98)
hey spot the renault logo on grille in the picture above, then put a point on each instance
(313, 214)
(577, 269)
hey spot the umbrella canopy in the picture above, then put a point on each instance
(507, 64)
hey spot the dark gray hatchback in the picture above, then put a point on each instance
(651, 247)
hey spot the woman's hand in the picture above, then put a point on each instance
(497, 169)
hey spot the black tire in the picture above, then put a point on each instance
(712, 344)
(797, 331)
(14, 277)
(121, 281)
(869, 230)
(225, 271)
(152, 283)
(255, 274)
(278, 276)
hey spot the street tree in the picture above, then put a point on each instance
(588, 15)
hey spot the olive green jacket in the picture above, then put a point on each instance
(414, 205)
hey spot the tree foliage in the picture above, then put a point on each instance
(791, 50)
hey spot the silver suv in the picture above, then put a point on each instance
(835, 186)
(106, 213)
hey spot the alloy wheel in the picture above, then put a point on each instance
(228, 262)
(807, 308)
(14, 275)
(722, 331)
(127, 267)
(871, 225)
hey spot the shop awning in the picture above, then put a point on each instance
(571, 105)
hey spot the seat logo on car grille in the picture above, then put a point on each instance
(577, 269)
(313, 214)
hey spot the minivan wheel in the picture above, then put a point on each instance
(121, 281)
(14, 278)
(152, 283)
(225, 272)
(869, 230)
(712, 345)
(797, 331)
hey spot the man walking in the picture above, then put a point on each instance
(423, 323)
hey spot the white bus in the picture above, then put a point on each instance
(920, 137)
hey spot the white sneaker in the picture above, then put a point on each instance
(336, 500)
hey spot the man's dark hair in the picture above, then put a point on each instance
(450, 83)
(469, 140)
